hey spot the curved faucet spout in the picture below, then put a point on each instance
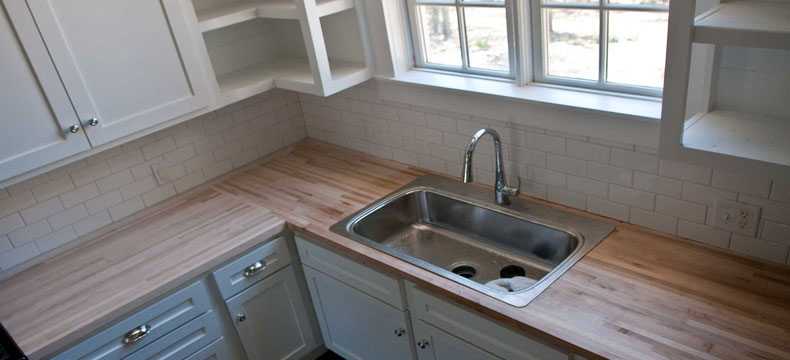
(502, 191)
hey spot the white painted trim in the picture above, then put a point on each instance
(534, 105)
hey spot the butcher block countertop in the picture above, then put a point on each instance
(637, 295)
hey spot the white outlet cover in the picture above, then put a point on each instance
(736, 217)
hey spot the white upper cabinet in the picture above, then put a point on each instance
(128, 64)
(35, 111)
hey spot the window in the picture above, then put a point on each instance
(472, 36)
(478, 37)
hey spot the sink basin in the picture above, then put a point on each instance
(457, 231)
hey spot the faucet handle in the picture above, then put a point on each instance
(509, 190)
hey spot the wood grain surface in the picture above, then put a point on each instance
(84, 289)
(637, 295)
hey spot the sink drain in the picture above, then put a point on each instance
(512, 271)
(465, 271)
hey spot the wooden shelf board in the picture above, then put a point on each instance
(329, 7)
(745, 23)
(745, 135)
(264, 76)
(240, 11)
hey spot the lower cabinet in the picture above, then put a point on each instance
(356, 325)
(218, 350)
(271, 320)
(436, 344)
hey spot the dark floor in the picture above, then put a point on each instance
(329, 355)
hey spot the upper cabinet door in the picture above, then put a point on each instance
(128, 64)
(35, 111)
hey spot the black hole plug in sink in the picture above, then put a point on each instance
(465, 271)
(512, 271)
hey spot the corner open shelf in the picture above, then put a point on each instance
(745, 23)
(240, 11)
(741, 134)
(725, 88)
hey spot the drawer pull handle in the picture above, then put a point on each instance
(399, 332)
(423, 344)
(136, 334)
(254, 269)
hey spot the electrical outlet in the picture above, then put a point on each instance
(736, 217)
(162, 174)
(370, 131)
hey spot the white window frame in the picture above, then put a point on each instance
(540, 43)
(419, 47)
(527, 38)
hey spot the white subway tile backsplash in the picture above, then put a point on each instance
(16, 202)
(115, 181)
(138, 187)
(567, 198)
(631, 197)
(543, 176)
(67, 217)
(635, 160)
(654, 221)
(10, 223)
(52, 188)
(158, 195)
(587, 186)
(771, 210)
(765, 250)
(776, 232)
(92, 223)
(125, 160)
(440, 122)
(90, 174)
(51, 241)
(546, 143)
(681, 209)
(41, 210)
(5, 244)
(742, 183)
(29, 233)
(705, 195)
(126, 208)
(658, 184)
(567, 165)
(104, 202)
(780, 191)
(18, 255)
(704, 234)
(609, 174)
(607, 208)
(588, 151)
(685, 172)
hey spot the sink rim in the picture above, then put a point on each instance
(483, 198)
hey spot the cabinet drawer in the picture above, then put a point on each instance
(477, 330)
(235, 276)
(371, 282)
(218, 350)
(161, 318)
(183, 341)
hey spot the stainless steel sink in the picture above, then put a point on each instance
(457, 231)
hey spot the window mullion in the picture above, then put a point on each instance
(603, 44)
(462, 37)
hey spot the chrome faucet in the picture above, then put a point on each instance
(502, 192)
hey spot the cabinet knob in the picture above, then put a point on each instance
(399, 332)
(136, 334)
(74, 129)
(241, 317)
(93, 122)
(422, 344)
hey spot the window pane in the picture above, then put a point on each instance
(570, 1)
(572, 49)
(486, 36)
(440, 35)
(637, 48)
(640, 2)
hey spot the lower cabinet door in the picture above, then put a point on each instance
(435, 344)
(271, 318)
(218, 350)
(356, 325)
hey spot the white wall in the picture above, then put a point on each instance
(44, 213)
(624, 181)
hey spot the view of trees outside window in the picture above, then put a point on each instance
(635, 46)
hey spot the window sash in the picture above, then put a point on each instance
(420, 57)
(540, 44)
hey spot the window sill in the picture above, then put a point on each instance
(620, 105)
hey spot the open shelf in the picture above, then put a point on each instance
(745, 23)
(740, 134)
(257, 55)
(329, 7)
(345, 49)
(234, 12)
